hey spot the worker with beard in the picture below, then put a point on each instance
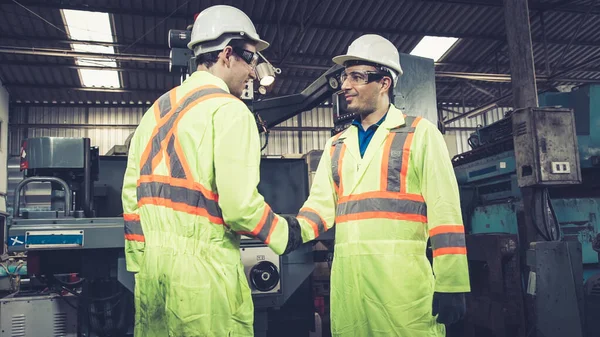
(388, 185)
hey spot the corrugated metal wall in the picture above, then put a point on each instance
(300, 142)
(105, 127)
(110, 126)
(469, 124)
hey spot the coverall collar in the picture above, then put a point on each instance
(205, 77)
(394, 118)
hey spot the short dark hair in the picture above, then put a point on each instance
(210, 58)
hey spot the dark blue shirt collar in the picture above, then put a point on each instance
(357, 122)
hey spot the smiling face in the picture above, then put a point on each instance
(239, 70)
(365, 88)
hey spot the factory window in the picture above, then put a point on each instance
(93, 28)
(434, 47)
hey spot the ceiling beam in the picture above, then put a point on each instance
(70, 53)
(162, 71)
(165, 47)
(550, 7)
(68, 87)
(189, 16)
(64, 40)
(274, 23)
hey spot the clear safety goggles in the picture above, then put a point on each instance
(362, 77)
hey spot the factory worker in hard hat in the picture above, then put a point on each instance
(388, 186)
(190, 191)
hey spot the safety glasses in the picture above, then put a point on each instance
(362, 77)
(246, 55)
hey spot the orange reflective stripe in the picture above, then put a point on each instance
(381, 205)
(396, 156)
(180, 207)
(381, 215)
(135, 237)
(133, 228)
(208, 194)
(406, 155)
(178, 198)
(448, 239)
(442, 229)
(275, 222)
(181, 157)
(131, 217)
(265, 226)
(165, 107)
(385, 161)
(384, 195)
(336, 165)
(314, 219)
(164, 127)
(335, 138)
(334, 155)
(451, 250)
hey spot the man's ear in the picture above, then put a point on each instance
(226, 55)
(386, 83)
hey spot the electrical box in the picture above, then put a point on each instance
(38, 315)
(546, 150)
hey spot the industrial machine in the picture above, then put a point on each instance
(75, 265)
(551, 155)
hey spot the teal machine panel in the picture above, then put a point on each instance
(487, 177)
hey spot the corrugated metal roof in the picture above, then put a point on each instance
(302, 34)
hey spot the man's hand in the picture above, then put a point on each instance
(450, 307)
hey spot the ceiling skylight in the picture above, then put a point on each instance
(92, 26)
(433, 47)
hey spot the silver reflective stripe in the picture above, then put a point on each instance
(133, 227)
(382, 205)
(266, 228)
(335, 161)
(395, 161)
(177, 194)
(394, 168)
(164, 129)
(164, 104)
(448, 240)
(314, 217)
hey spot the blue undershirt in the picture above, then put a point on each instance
(364, 136)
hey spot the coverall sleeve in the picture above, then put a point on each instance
(134, 236)
(237, 164)
(317, 215)
(445, 226)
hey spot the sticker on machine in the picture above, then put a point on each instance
(17, 240)
(54, 239)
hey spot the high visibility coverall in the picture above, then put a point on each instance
(385, 207)
(189, 191)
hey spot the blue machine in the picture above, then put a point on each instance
(490, 179)
(487, 177)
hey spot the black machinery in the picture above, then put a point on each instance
(74, 248)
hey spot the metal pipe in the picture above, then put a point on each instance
(70, 53)
(87, 179)
(17, 198)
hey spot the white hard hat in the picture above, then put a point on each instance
(374, 49)
(215, 26)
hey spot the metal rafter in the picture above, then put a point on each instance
(303, 25)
